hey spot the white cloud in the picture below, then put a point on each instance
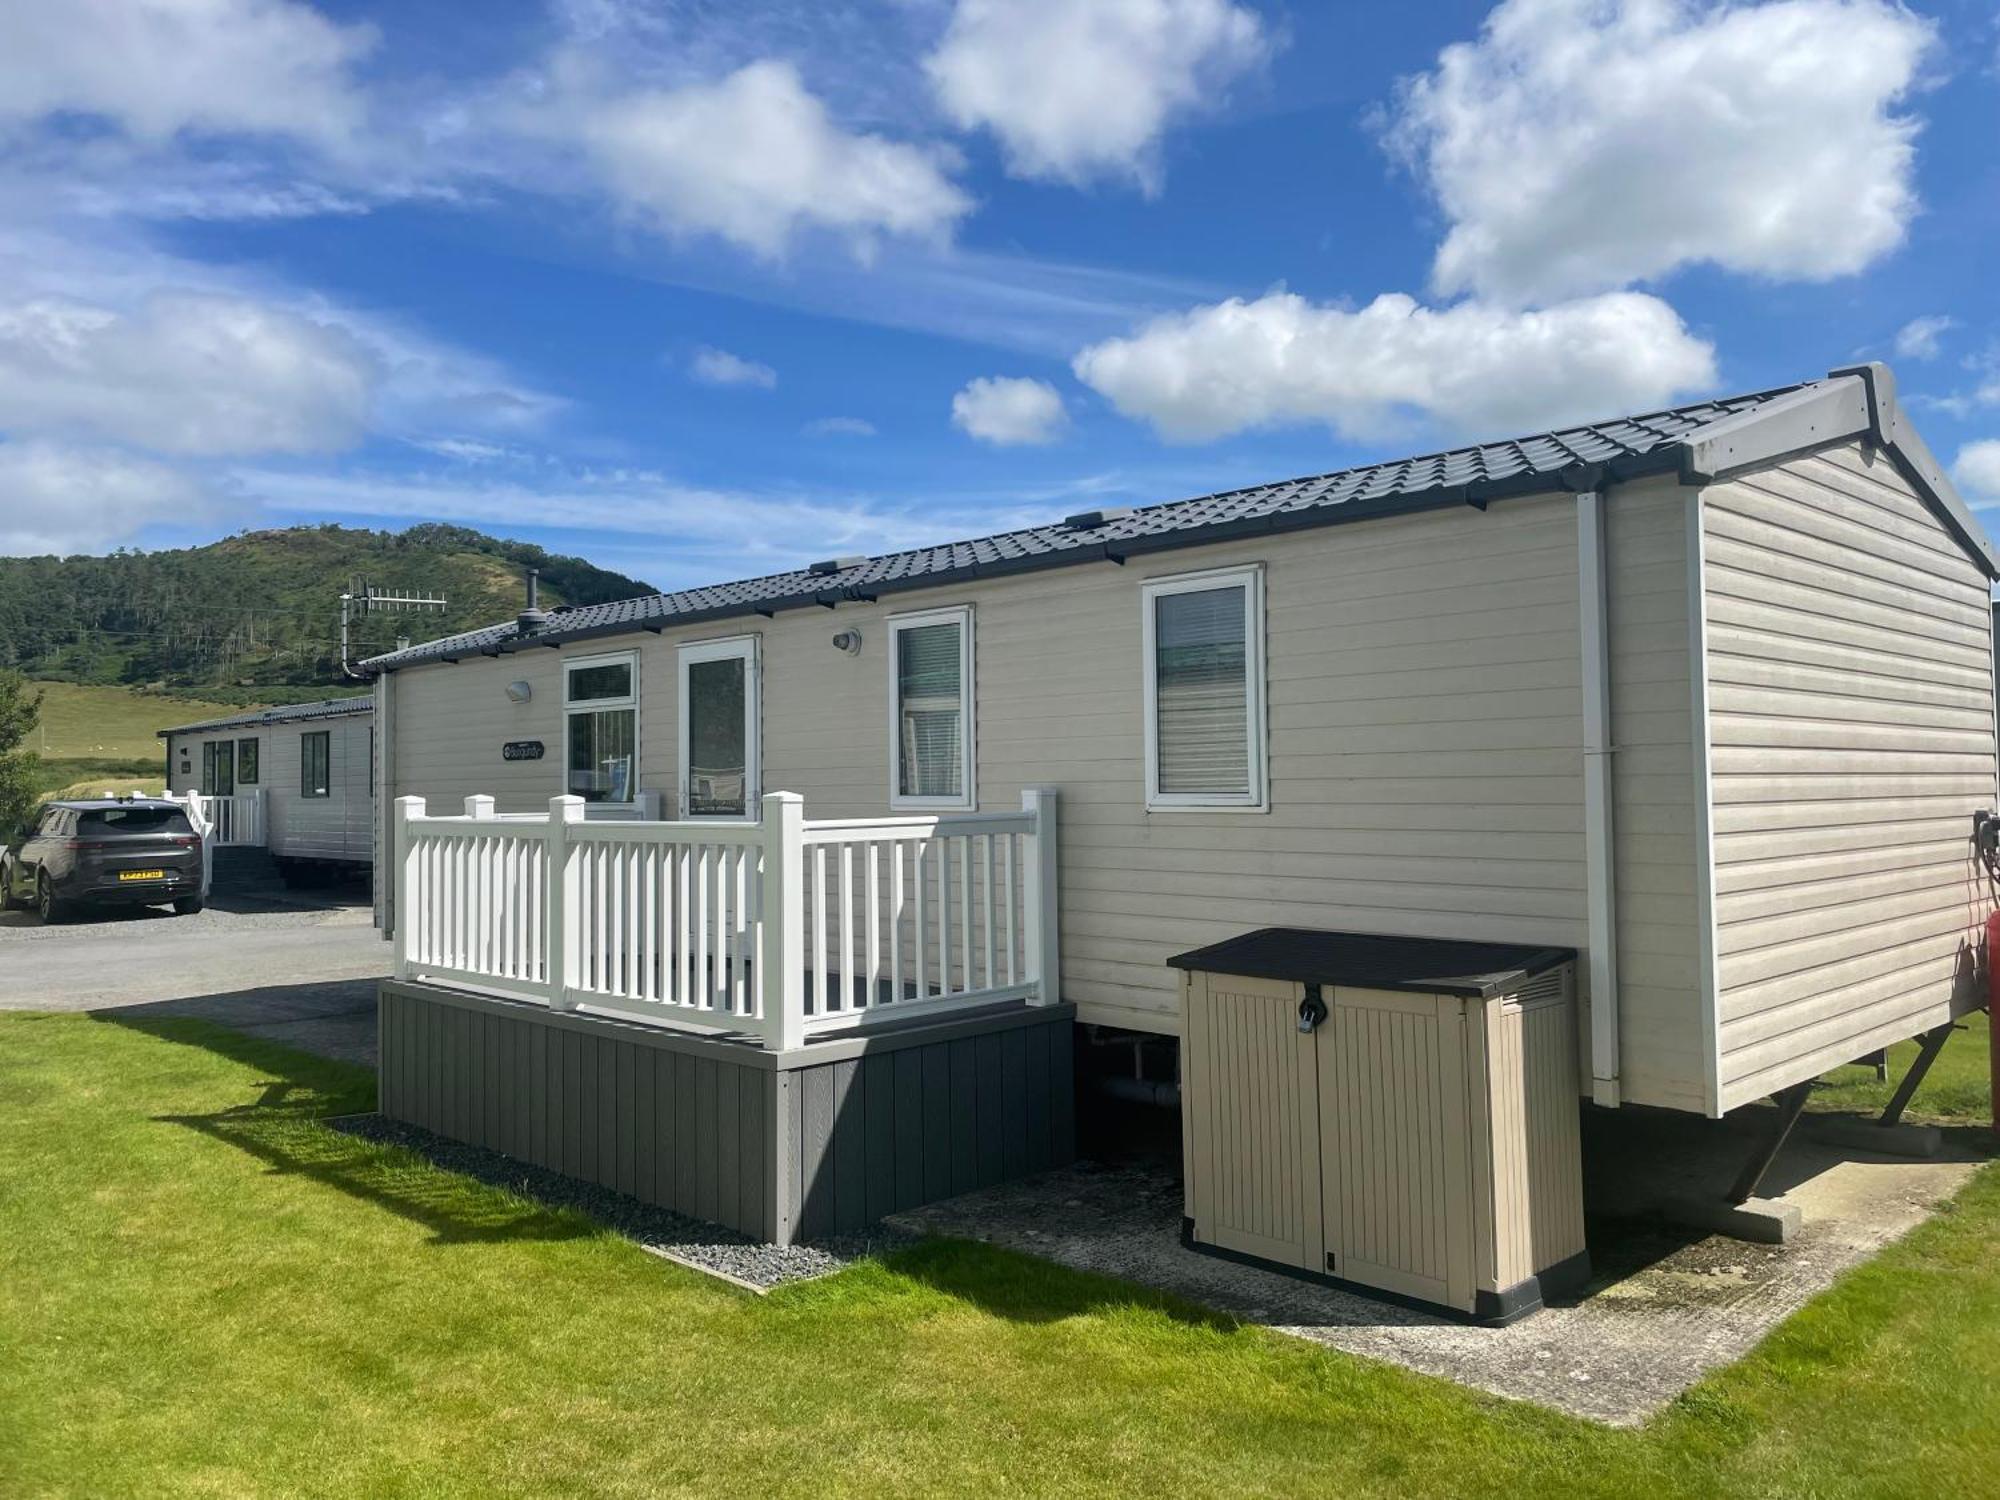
(1008, 411)
(839, 427)
(756, 159)
(1579, 145)
(1977, 471)
(1918, 338)
(1083, 89)
(187, 373)
(720, 367)
(158, 67)
(62, 499)
(1467, 369)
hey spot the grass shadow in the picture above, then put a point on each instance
(285, 1129)
(1023, 1288)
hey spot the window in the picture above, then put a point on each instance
(218, 768)
(601, 733)
(1204, 643)
(134, 820)
(246, 762)
(316, 763)
(930, 697)
(719, 711)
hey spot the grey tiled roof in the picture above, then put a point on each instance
(1583, 456)
(291, 713)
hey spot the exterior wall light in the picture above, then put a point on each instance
(848, 641)
(519, 692)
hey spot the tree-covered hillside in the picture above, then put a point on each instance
(257, 616)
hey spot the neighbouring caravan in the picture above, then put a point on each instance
(294, 782)
(1702, 698)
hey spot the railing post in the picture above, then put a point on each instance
(1039, 891)
(261, 838)
(479, 806)
(563, 915)
(781, 980)
(410, 899)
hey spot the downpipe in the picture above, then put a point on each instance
(1601, 894)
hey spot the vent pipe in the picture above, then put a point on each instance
(532, 620)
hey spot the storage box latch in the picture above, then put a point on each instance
(1312, 1009)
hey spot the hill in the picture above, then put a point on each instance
(255, 618)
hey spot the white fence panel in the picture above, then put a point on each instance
(770, 929)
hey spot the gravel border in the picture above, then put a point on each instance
(694, 1243)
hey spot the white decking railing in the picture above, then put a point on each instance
(235, 819)
(771, 930)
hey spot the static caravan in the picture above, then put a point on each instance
(296, 783)
(1695, 705)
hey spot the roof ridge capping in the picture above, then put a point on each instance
(1701, 442)
(1852, 400)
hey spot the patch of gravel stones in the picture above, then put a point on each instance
(693, 1242)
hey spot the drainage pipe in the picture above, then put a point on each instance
(1600, 875)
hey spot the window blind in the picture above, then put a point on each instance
(930, 711)
(1201, 691)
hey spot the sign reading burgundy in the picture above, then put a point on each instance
(521, 750)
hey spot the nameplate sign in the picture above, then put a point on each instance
(521, 750)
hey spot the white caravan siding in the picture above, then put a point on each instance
(1425, 739)
(1662, 1042)
(1851, 734)
(338, 826)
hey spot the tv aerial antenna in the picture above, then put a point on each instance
(365, 599)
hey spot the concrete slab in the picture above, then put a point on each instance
(1664, 1307)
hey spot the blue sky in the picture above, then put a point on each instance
(705, 290)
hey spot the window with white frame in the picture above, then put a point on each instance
(1204, 644)
(601, 727)
(930, 706)
(718, 741)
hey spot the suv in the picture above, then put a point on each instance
(133, 851)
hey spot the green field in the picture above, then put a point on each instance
(203, 1291)
(111, 723)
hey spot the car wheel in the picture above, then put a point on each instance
(187, 906)
(52, 907)
(8, 900)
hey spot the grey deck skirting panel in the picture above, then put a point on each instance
(779, 1146)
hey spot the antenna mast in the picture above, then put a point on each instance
(364, 599)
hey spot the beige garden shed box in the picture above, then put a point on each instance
(1393, 1114)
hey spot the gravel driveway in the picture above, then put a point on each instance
(296, 971)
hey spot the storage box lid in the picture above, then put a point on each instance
(1374, 961)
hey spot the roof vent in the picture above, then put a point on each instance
(1090, 520)
(835, 564)
(532, 620)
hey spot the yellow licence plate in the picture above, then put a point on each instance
(142, 874)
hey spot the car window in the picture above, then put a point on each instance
(103, 820)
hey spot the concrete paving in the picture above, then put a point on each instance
(1665, 1307)
(295, 970)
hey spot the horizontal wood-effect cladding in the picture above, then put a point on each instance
(1425, 739)
(1851, 737)
(779, 1148)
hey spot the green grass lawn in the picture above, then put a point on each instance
(1956, 1091)
(204, 1292)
